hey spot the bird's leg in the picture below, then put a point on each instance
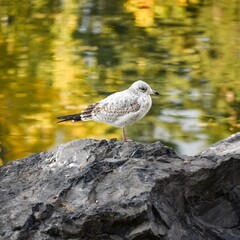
(124, 134)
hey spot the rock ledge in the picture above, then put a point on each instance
(89, 189)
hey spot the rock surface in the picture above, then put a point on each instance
(89, 189)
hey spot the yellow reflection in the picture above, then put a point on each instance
(146, 11)
(187, 2)
(143, 12)
(81, 130)
(141, 64)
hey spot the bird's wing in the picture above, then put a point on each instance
(109, 110)
(87, 113)
(114, 106)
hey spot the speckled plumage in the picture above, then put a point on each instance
(119, 109)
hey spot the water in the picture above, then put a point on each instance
(58, 56)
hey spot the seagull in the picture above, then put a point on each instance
(119, 109)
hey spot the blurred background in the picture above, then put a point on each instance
(58, 56)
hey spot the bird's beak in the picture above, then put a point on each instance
(155, 92)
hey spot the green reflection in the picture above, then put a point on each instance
(58, 56)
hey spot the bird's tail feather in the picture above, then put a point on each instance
(73, 117)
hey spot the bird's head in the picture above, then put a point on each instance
(142, 88)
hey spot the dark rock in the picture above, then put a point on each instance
(110, 190)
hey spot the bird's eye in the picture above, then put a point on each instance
(143, 89)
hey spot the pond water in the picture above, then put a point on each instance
(56, 57)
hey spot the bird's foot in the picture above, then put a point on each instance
(127, 140)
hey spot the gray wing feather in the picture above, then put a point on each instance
(87, 113)
(115, 106)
